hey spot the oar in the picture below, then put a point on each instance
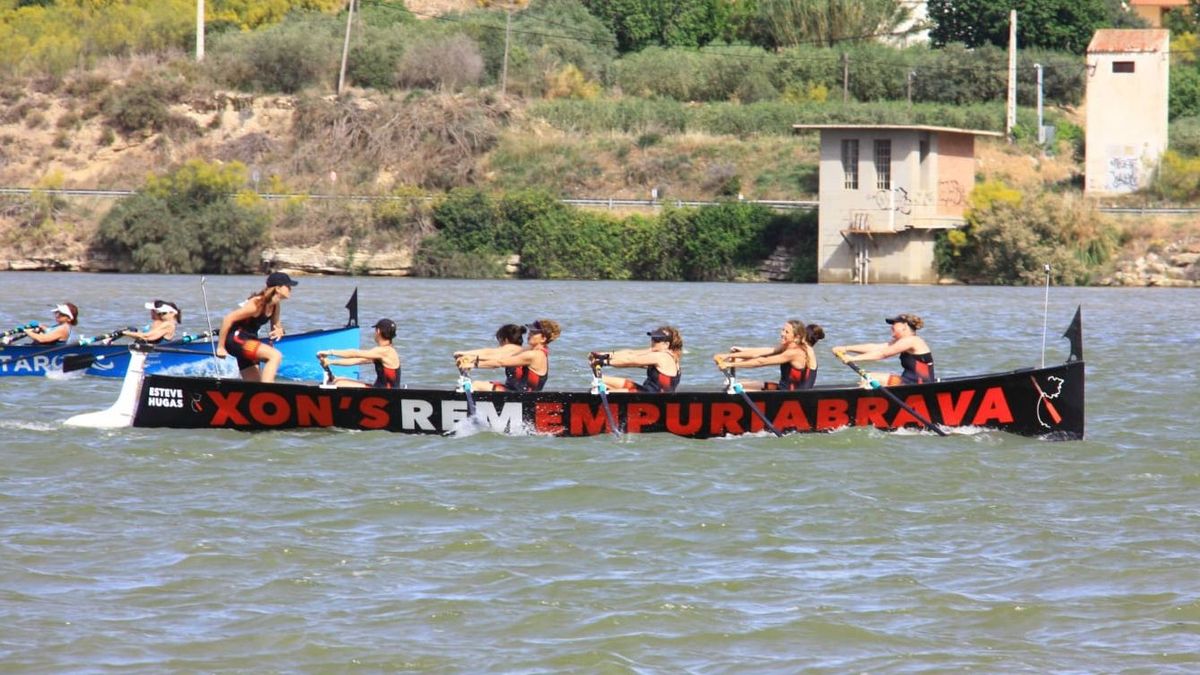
(735, 386)
(597, 361)
(73, 362)
(464, 385)
(329, 376)
(887, 392)
(79, 361)
(18, 331)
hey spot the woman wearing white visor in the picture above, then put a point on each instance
(66, 316)
(164, 317)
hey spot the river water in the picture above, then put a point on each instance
(160, 550)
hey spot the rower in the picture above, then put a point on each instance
(66, 316)
(164, 318)
(509, 340)
(794, 355)
(239, 329)
(527, 369)
(661, 362)
(383, 356)
(915, 356)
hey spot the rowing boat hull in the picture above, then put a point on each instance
(1045, 402)
(177, 358)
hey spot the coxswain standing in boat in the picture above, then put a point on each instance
(661, 362)
(165, 317)
(66, 316)
(526, 370)
(510, 339)
(239, 330)
(915, 356)
(794, 355)
(383, 356)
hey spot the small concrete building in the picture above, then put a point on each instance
(1128, 88)
(1155, 11)
(885, 191)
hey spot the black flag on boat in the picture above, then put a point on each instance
(352, 307)
(1075, 335)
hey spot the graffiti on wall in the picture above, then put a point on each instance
(1122, 174)
(895, 199)
(951, 193)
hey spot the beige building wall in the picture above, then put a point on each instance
(1128, 88)
(891, 225)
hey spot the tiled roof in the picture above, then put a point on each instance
(893, 127)
(1113, 40)
(1159, 3)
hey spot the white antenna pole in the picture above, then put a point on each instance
(1041, 131)
(1012, 74)
(1045, 314)
(212, 338)
(199, 30)
(345, 50)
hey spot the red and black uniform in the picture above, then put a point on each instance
(522, 378)
(918, 368)
(792, 378)
(242, 340)
(656, 382)
(386, 378)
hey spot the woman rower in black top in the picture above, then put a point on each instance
(915, 356)
(239, 330)
(661, 362)
(383, 356)
(509, 340)
(529, 368)
(794, 354)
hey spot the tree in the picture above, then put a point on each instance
(788, 23)
(1065, 25)
(670, 23)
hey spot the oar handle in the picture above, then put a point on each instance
(874, 384)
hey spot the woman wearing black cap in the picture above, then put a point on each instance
(915, 356)
(383, 356)
(164, 318)
(661, 362)
(510, 339)
(794, 355)
(239, 329)
(528, 369)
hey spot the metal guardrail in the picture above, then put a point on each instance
(606, 202)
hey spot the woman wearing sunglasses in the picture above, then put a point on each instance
(661, 362)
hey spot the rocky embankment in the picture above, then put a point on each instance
(1175, 266)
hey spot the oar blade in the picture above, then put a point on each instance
(73, 362)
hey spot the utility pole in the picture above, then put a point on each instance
(345, 50)
(911, 75)
(845, 77)
(199, 30)
(1011, 120)
(507, 34)
(1041, 128)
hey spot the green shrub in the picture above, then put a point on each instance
(1009, 237)
(187, 222)
(1184, 96)
(720, 242)
(573, 244)
(285, 58)
(1185, 136)
(450, 63)
(1178, 178)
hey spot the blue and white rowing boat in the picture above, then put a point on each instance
(186, 356)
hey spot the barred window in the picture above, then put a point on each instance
(850, 164)
(883, 165)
